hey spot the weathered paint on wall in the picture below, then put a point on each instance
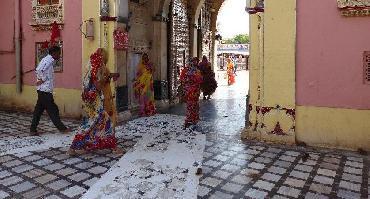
(255, 70)
(69, 80)
(333, 127)
(330, 57)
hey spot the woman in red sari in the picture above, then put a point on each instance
(191, 78)
(209, 84)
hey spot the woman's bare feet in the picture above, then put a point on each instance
(73, 152)
(118, 151)
(66, 131)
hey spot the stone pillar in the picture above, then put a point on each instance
(193, 34)
(159, 46)
(160, 57)
(213, 58)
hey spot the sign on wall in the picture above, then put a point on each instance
(352, 8)
(41, 52)
(367, 67)
(46, 12)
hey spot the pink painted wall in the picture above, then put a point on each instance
(330, 56)
(7, 56)
(72, 44)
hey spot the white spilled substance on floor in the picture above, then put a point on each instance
(163, 164)
(13, 145)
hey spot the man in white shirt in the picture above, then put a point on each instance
(45, 86)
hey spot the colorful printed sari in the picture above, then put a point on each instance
(143, 88)
(191, 78)
(96, 130)
(108, 98)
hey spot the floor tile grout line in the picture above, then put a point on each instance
(285, 175)
(365, 186)
(208, 174)
(309, 181)
(234, 173)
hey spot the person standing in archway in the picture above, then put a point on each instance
(209, 84)
(191, 79)
(230, 72)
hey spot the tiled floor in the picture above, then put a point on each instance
(48, 173)
(232, 168)
(51, 173)
(235, 169)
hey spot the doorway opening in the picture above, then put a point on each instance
(232, 49)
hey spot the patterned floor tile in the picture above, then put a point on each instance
(74, 191)
(255, 193)
(231, 187)
(261, 184)
(24, 186)
(3, 194)
(289, 191)
(213, 182)
(320, 188)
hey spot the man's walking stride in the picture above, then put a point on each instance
(45, 86)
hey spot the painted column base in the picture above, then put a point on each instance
(124, 116)
(162, 104)
(250, 134)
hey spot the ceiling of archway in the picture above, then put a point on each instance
(195, 6)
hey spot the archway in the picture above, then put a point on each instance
(197, 38)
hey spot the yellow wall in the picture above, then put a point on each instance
(90, 9)
(273, 70)
(255, 65)
(254, 59)
(68, 100)
(333, 127)
(279, 66)
(279, 59)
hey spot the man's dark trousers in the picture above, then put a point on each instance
(45, 100)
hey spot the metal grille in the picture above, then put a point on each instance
(367, 67)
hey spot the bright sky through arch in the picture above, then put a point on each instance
(233, 19)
